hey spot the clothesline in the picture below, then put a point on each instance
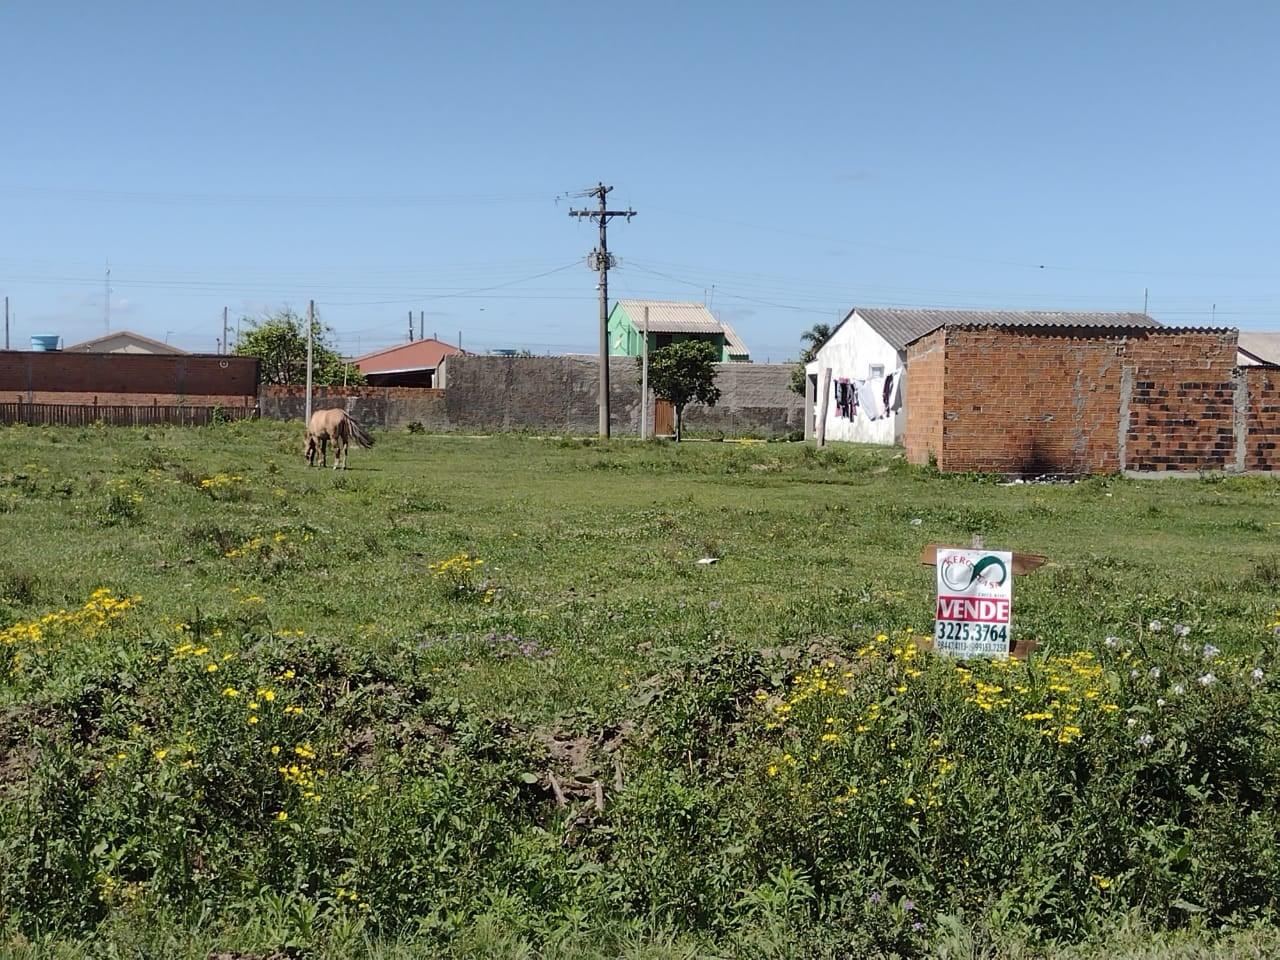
(875, 397)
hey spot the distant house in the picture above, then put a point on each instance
(123, 341)
(1256, 348)
(411, 364)
(671, 322)
(863, 362)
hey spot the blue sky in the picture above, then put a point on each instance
(787, 161)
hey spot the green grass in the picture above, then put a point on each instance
(591, 645)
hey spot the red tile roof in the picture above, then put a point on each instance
(419, 355)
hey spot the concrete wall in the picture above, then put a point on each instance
(1048, 401)
(372, 406)
(850, 353)
(558, 394)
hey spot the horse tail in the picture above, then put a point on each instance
(359, 433)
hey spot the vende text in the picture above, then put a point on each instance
(973, 609)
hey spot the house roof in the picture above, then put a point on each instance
(737, 348)
(668, 316)
(1261, 347)
(150, 345)
(900, 326)
(418, 355)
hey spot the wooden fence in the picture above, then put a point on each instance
(117, 415)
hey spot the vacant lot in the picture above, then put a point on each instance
(479, 695)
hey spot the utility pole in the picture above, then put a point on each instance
(106, 308)
(422, 320)
(644, 381)
(601, 260)
(1145, 291)
(311, 325)
(6, 323)
(411, 326)
(225, 348)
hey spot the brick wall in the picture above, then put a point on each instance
(130, 399)
(1031, 401)
(1262, 418)
(132, 374)
(1182, 404)
(923, 399)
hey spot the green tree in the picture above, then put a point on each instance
(814, 338)
(684, 372)
(279, 340)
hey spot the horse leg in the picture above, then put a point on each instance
(324, 450)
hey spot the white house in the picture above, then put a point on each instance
(123, 341)
(1257, 348)
(870, 344)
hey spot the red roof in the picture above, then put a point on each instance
(419, 355)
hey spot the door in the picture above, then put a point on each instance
(664, 418)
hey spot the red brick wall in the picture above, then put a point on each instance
(1262, 418)
(189, 376)
(926, 367)
(1030, 402)
(129, 399)
(1182, 409)
(1038, 401)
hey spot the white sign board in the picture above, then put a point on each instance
(975, 603)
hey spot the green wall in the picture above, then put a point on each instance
(626, 340)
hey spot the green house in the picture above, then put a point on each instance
(670, 322)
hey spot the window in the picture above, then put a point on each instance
(877, 370)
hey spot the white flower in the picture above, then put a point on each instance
(1111, 642)
(1207, 680)
(1131, 722)
(1257, 675)
(1181, 630)
(1179, 689)
(1210, 651)
(1160, 702)
(1154, 673)
(1145, 741)
(1155, 626)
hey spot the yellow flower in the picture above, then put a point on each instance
(211, 668)
(773, 770)
(909, 801)
(267, 695)
(1102, 882)
(161, 754)
(275, 750)
(230, 692)
(281, 817)
(252, 719)
(830, 737)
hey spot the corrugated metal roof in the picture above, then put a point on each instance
(734, 342)
(1262, 347)
(418, 355)
(900, 326)
(667, 316)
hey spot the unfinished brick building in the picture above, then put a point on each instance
(1051, 399)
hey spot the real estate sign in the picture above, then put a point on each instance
(975, 603)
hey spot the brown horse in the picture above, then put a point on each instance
(338, 426)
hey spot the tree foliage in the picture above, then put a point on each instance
(279, 340)
(814, 338)
(684, 372)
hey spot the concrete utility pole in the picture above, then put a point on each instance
(225, 347)
(411, 326)
(644, 381)
(601, 260)
(311, 324)
(422, 322)
(6, 323)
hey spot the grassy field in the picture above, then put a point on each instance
(478, 696)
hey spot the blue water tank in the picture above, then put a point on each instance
(46, 343)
